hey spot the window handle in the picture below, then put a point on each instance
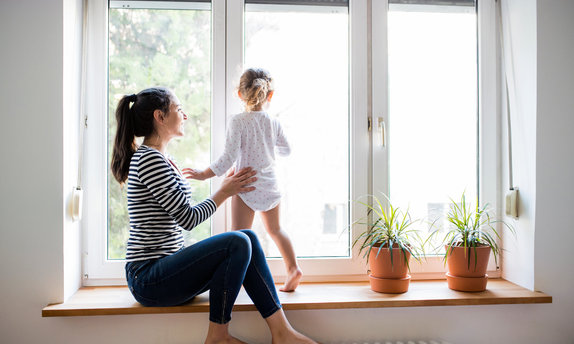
(382, 130)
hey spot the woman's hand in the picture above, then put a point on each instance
(191, 173)
(235, 183)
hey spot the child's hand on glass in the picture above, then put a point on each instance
(192, 173)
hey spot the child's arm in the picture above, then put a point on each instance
(283, 148)
(231, 149)
(191, 173)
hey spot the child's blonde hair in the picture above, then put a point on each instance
(255, 85)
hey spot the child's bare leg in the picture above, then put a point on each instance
(270, 219)
(241, 214)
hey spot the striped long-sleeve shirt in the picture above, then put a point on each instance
(159, 206)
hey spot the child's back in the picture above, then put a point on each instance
(251, 141)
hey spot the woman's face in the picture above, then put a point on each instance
(175, 118)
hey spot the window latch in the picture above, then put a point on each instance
(382, 130)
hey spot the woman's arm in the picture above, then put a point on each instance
(157, 175)
(233, 184)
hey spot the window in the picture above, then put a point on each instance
(433, 108)
(169, 47)
(306, 48)
(318, 53)
(133, 45)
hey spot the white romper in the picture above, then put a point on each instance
(252, 140)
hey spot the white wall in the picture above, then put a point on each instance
(31, 245)
(555, 160)
(519, 25)
(72, 12)
(33, 225)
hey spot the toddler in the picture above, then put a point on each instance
(252, 140)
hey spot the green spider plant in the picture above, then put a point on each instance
(387, 228)
(471, 227)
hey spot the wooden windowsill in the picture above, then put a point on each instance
(118, 300)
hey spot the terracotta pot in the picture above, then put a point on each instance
(464, 277)
(386, 277)
(390, 285)
(466, 283)
(457, 261)
(381, 267)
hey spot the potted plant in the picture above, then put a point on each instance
(468, 243)
(388, 242)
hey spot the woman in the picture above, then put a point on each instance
(159, 270)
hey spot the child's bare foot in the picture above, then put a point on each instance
(292, 280)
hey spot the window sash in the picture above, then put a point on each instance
(488, 175)
(467, 3)
(330, 3)
(164, 5)
(317, 268)
(98, 270)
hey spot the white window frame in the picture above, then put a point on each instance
(320, 269)
(432, 266)
(97, 269)
(368, 100)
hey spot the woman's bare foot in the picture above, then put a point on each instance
(218, 334)
(282, 332)
(293, 338)
(292, 280)
(228, 340)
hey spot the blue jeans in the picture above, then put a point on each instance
(220, 264)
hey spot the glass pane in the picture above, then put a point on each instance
(306, 51)
(433, 108)
(170, 48)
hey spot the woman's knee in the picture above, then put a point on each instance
(250, 234)
(255, 244)
(239, 241)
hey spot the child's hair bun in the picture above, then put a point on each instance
(255, 85)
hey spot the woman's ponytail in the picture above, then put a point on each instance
(124, 143)
(135, 121)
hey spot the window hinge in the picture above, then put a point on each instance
(85, 256)
(369, 123)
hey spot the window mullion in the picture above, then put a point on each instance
(234, 10)
(489, 126)
(380, 114)
(218, 107)
(488, 88)
(359, 107)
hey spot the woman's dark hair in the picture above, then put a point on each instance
(134, 121)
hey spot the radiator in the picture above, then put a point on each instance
(396, 342)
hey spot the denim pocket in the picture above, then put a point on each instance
(129, 269)
(134, 289)
(133, 271)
